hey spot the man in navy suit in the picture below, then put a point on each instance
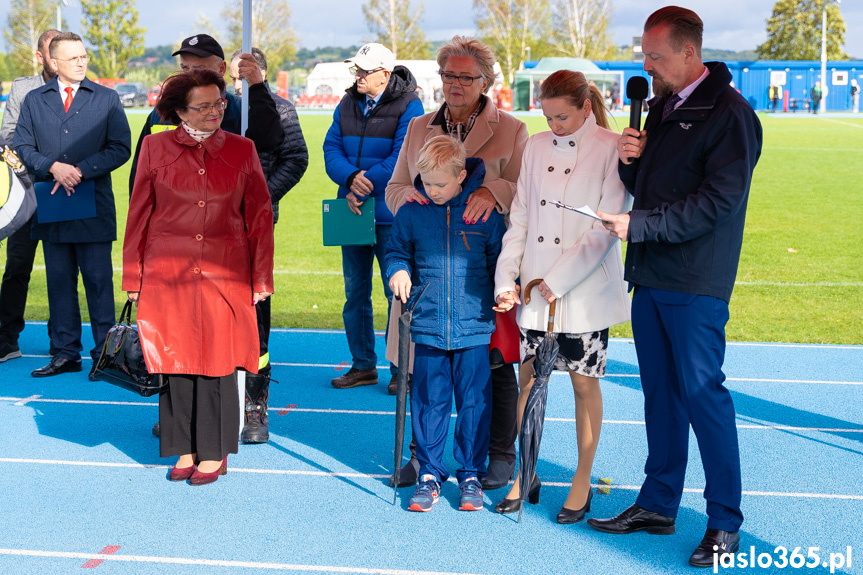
(72, 130)
(689, 172)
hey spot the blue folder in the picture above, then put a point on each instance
(62, 208)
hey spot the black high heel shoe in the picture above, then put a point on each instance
(575, 515)
(514, 505)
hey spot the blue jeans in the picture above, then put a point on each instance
(357, 266)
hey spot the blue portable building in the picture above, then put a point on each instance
(795, 77)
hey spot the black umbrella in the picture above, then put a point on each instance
(533, 417)
(402, 382)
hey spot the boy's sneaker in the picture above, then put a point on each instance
(426, 494)
(8, 351)
(471, 495)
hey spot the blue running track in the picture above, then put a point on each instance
(82, 484)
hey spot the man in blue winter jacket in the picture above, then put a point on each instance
(360, 152)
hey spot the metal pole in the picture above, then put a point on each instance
(247, 48)
(60, 15)
(823, 104)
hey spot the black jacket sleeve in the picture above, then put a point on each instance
(264, 129)
(292, 157)
(145, 131)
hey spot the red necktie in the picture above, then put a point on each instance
(68, 102)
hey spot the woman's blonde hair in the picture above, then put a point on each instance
(471, 48)
(574, 87)
(442, 153)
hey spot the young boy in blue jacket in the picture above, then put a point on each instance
(452, 323)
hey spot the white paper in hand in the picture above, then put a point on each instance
(585, 209)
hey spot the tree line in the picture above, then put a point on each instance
(517, 30)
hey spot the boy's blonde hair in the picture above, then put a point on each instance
(442, 153)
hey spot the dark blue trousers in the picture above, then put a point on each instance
(680, 343)
(62, 262)
(438, 374)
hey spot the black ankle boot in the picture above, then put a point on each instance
(256, 429)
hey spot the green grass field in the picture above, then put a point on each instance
(800, 278)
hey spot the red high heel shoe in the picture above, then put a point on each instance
(181, 473)
(199, 478)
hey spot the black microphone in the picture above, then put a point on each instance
(636, 91)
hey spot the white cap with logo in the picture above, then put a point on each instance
(373, 56)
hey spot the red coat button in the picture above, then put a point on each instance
(199, 237)
(202, 171)
(201, 204)
(196, 270)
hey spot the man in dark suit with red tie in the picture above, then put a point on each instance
(72, 130)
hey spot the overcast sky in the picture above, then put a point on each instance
(729, 24)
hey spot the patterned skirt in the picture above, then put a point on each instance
(583, 353)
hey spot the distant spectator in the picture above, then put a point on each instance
(815, 96)
(773, 95)
(855, 96)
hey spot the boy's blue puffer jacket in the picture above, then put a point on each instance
(457, 261)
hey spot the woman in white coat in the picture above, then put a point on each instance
(580, 264)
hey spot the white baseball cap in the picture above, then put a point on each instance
(373, 56)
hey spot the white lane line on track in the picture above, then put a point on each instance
(629, 340)
(38, 399)
(276, 410)
(26, 400)
(754, 379)
(376, 476)
(341, 366)
(219, 563)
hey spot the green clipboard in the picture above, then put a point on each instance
(342, 227)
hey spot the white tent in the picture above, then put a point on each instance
(334, 78)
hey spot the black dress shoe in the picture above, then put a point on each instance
(715, 541)
(156, 429)
(514, 505)
(409, 473)
(499, 474)
(635, 518)
(56, 366)
(567, 516)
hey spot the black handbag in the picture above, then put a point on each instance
(122, 360)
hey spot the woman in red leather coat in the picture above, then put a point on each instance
(197, 257)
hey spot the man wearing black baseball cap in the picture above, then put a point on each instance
(203, 51)
(265, 128)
